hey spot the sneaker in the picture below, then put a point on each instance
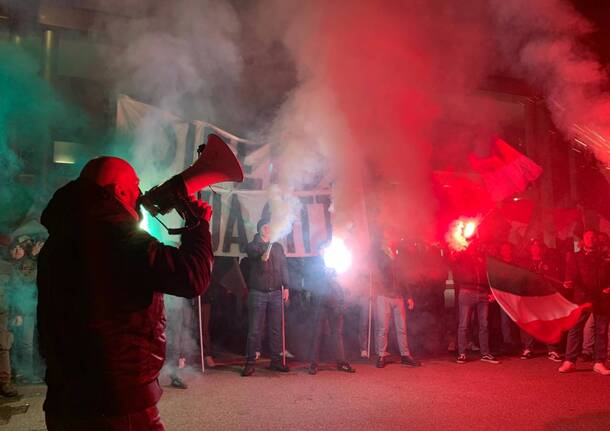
(278, 366)
(410, 361)
(364, 354)
(313, 369)
(8, 390)
(248, 370)
(178, 383)
(489, 358)
(526, 354)
(554, 356)
(380, 362)
(600, 368)
(209, 362)
(461, 359)
(344, 366)
(566, 367)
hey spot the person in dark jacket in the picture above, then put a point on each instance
(329, 305)
(539, 261)
(101, 281)
(267, 274)
(391, 288)
(588, 274)
(472, 287)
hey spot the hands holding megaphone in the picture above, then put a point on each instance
(202, 210)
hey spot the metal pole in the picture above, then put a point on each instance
(201, 335)
(283, 331)
(368, 343)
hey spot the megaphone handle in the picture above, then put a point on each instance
(191, 221)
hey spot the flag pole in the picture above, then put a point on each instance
(368, 342)
(283, 330)
(201, 335)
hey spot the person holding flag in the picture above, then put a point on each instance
(540, 262)
(588, 274)
(472, 285)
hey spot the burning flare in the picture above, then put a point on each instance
(337, 256)
(461, 232)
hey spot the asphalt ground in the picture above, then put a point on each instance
(441, 395)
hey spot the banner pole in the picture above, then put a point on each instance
(283, 331)
(201, 335)
(368, 343)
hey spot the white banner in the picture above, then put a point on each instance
(237, 207)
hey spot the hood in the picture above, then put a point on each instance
(80, 201)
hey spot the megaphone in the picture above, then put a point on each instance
(215, 164)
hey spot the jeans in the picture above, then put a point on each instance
(507, 325)
(588, 341)
(23, 348)
(261, 305)
(6, 341)
(468, 301)
(363, 323)
(145, 420)
(387, 306)
(575, 336)
(332, 313)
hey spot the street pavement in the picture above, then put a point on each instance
(441, 395)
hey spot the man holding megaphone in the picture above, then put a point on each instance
(101, 282)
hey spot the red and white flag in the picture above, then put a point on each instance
(506, 172)
(533, 301)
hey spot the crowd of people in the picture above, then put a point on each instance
(409, 278)
(89, 299)
(19, 358)
(409, 300)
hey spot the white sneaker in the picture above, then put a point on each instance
(364, 354)
(566, 367)
(600, 368)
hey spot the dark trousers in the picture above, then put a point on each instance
(470, 301)
(331, 312)
(145, 420)
(575, 336)
(261, 305)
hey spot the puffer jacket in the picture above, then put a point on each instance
(101, 320)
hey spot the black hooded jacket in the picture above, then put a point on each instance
(101, 319)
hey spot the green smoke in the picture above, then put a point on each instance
(31, 114)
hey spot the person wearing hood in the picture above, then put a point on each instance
(101, 281)
(267, 274)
